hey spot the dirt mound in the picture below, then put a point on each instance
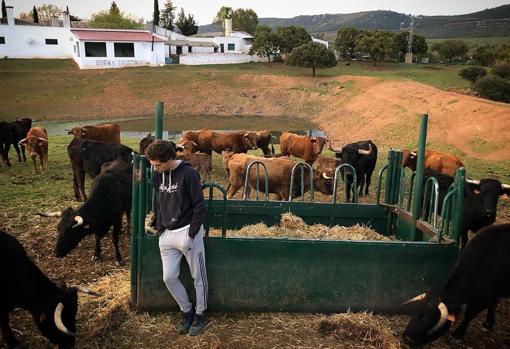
(388, 112)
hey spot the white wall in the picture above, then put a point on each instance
(216, 58)
(27, 41)
(240, 43)
(195, 49)
(143, 56)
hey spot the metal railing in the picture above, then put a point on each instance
(247, 180)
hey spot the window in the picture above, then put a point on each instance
(178, 50)
(231, 47)
(222, 48)
(2, 39)
(51, 42)
(190, 49)
(95, 49)
(124, 49)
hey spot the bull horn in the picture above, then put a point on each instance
(413, 153)
(86, 290)
(473, 181)
(366, 152)
(50, 214)
(57, 317)
(505, 186)
(325, 176)
(330, 147)
(23, 140)
(419, 297)
(42, 139)
(79, 221)
(442, 319)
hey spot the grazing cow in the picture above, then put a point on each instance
(478, 280)
(109, 200)
(36, 143)
(263, 140)
(87, 156)
(362, 156)
(279, 171)
(480, 201)
(440, 162)
(24, 285)
(302, 147)
(21, 128)
(237, 142)
(201, 162)
(109, 133)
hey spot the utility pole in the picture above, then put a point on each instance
(409, 54)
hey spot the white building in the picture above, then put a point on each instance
(90, 48)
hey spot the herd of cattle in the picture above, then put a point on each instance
(479, 279)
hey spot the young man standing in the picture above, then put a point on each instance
(180, 214)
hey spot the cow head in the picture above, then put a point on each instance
(409, 159)
(189, 147)
(250, 140)
(323, 181)
(57, 318)
(320, 143)
(34, 145)
(489, 191)
(77, 132)
(71, 229)
(430, 320)
(145, 142)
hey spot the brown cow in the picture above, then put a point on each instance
(235, 141)
(263, 139)
(279, 171)
(201, 162)
(109, 133)
(303, 147)
(327, 165)
(443, 163)
(36, 143)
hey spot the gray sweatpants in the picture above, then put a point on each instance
(173, 244)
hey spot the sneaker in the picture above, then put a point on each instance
(186, 321)
(198, 325)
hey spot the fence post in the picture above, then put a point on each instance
(134, 229)
(460, 179)
(418, 181)
(158, 132)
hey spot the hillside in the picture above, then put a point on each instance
(486, 23)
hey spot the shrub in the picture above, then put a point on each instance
(493, 87)
(502, 70)
(473, 73)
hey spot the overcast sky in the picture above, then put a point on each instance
(205, 10)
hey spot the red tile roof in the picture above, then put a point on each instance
(114, 35)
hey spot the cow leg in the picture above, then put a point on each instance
(75, 186)
(23, 153)
(97, 251)
(81, 183)
(5, 154)
(491, 316)
(34, 163)
(128, 219)
(368, 181)
(7, 334)
(45, 162)
(117, 228)
(16, 146)
(472, 311)
(360, 184)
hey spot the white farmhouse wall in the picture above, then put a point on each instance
(215, 58)
(195, 49)
(143, 56)
(240, 43)
(26, 41)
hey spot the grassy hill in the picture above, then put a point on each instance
(486, 23)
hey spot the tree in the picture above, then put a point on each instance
(377, 44)
(502, 70)
(291, 37)
(493, 87)
(265, 43)
(472, 73)
(345, 42)
(187, 25)
(245, 20)
(312, 55)
(155, 16)
(46, 13)
(167, 16)
(450, 49)
(35, 15)
(71, 17)
(219, 20)
(484, 55)
(401, 44)
(4, 9)
(114, 19)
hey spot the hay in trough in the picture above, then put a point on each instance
(363, 330)
(292, 226)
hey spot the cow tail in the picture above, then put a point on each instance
(272, 148)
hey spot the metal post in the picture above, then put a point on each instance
(418, 182)
(134, 229)
(460, 179)
(159, 120)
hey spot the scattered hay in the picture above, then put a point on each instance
(292, 226)
(360, 328)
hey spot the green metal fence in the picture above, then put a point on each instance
(269, 274)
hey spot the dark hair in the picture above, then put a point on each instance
(160, 150)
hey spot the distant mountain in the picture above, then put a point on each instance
(486, 23)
